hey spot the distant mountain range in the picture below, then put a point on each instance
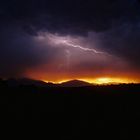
(28, 82)
(23, 81)
(75, 83)
(31, 82)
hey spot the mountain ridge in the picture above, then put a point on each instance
(75, 83)
(32, 82)
(29, 82)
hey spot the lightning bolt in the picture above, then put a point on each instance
(68, 42)
(71, 44)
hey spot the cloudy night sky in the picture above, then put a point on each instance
(57, 40)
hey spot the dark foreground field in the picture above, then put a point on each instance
(105, 112)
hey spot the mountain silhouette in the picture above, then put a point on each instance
(31, 82)
(24, 82)
(39, 83)
(75, 83)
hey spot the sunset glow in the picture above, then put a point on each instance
(100, 81)
(107, 80)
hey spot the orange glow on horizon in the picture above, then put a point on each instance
(61, 77)
(108, 80)
(100, 81)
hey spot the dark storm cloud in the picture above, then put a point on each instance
(21, 20)
(123, 41)
(71, 16)
(20, 52)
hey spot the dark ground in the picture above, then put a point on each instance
(98, 112)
